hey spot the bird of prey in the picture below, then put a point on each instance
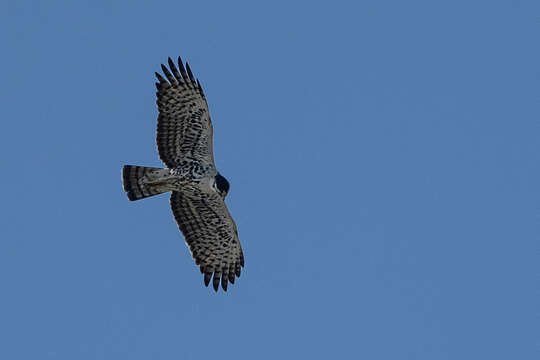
(184, 142)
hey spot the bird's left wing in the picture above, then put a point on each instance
(184, 129)
(211, 235)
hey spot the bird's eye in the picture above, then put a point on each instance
(216, 188)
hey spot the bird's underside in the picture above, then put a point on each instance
(184, 139)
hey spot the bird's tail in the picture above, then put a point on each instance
(141, 182)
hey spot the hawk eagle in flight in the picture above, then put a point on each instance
(184, 141)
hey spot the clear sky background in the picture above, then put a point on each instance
(383, 160)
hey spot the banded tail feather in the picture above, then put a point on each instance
(141, 181)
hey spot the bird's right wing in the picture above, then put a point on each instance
(211, 235)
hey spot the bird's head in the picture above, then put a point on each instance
(221, 185)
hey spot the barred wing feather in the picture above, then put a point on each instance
(211, 235)
(184, 128)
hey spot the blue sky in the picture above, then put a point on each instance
(383, 160)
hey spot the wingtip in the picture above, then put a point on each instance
(224, 283)
(168, 74)
(185, 76)
(159, 77)
(200, 88)
(207, 277)
(190, 74)
(215, 282)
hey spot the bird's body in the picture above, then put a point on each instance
(184, 139)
